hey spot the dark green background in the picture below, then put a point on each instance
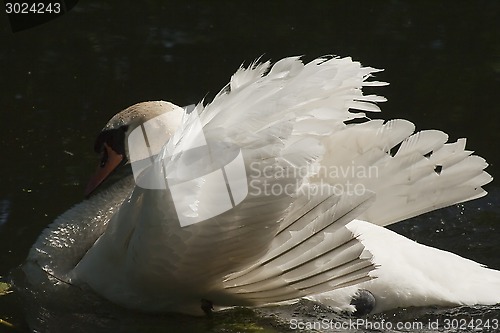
(61, 81)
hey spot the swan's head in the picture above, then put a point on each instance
(112, 142)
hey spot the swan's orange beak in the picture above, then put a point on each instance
(110, 160)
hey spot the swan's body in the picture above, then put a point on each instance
(131, 244)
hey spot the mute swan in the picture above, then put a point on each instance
(261, 197)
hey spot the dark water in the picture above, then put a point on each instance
(63, 80)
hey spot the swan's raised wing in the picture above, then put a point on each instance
(411, 173)
(312, 252)
(274, 119)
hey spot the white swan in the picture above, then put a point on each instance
(299, 178)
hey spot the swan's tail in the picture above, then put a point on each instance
(313, 252)
(434, 277)
(410, 173)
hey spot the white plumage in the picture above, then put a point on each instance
(412, 274)
(289, 121)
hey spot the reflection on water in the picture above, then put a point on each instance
(62, 81)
